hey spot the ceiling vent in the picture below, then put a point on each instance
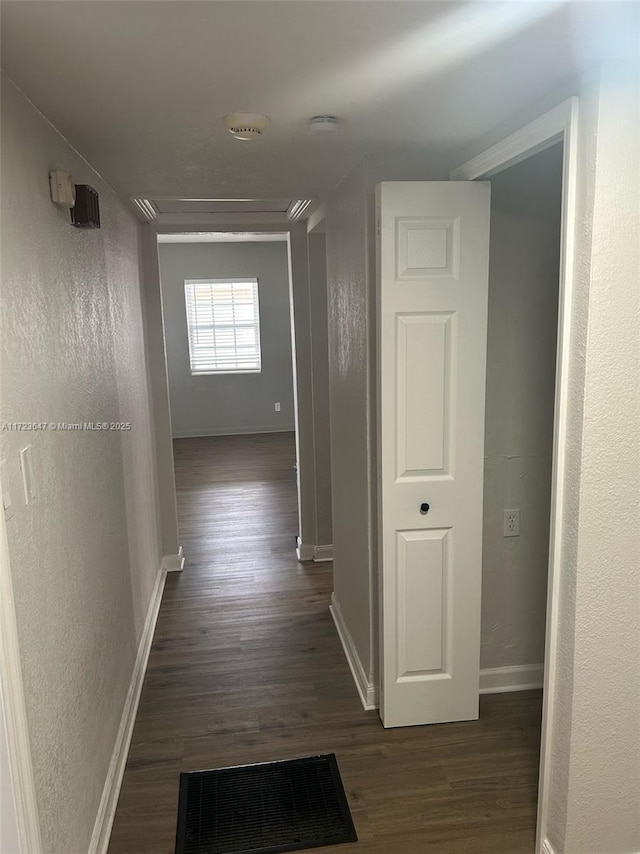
(298, 208)
(323, 125)
(148, 210)
(246, 125)
(176, 210)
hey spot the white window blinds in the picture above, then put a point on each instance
(224, 325)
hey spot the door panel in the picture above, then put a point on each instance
(423, 380)
(422, 568)
(433, 251)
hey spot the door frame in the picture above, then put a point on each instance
(558, 125)
(296, 242)
(20, 787)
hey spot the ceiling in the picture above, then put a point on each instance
(212, 206)
(140, 87)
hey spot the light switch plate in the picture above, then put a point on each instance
(28, 483)
(7, 503)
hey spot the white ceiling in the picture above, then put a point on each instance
(212, 206)
(140, 86)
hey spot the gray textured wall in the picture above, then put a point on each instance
(231, 403)
(85, 555)
(320, 367)
(349, 377)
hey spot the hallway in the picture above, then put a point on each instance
(246, 666)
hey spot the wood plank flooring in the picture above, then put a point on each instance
(246, 667)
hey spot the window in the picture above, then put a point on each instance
(224, 325)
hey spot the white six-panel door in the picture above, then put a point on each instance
(432, 269)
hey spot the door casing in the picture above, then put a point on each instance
(558, 125)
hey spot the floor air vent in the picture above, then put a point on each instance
(264, 809)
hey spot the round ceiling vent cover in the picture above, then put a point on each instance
(246, 125)
(324, 124)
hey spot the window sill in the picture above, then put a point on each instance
(222, 373)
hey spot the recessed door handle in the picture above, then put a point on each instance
(424, 508)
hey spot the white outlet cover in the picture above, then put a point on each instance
(511, 523)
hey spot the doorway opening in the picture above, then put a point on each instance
(554, 137)
(524, 273)
(524, 276)
(229, 344)
(433, 254)
(243, 319)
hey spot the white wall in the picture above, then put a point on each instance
(85, 555)
(595, 791)
(521, 350)
(232, 403)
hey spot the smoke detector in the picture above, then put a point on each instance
(323, 124)
(246, 125)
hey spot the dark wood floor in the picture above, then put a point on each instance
(246, 667)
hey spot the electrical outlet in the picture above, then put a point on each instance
(276, 406)
(511, 523)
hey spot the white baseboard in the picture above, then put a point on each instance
(547, 848)
(203, 432)
(366, 689)
(322, 553)
(496, 680)
(173, 563)
(318, 554)
(109, 801)
(500, 680)
(304, 551)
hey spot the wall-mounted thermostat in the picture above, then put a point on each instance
(63, 188)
